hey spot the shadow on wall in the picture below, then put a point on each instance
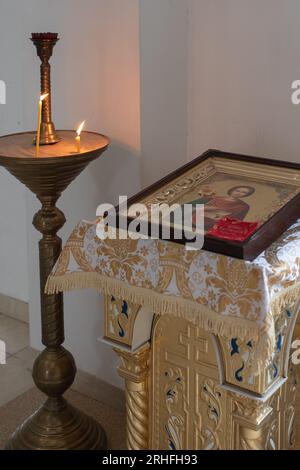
(121, 172)
(116, 172)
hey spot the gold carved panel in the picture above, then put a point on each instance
(238, 357)
(189, 409)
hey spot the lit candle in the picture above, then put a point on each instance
(78, 138)
(38, 133)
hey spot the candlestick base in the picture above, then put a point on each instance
(49, 136)
(58, 426)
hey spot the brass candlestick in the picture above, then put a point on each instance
(45, 43)
(56, 425)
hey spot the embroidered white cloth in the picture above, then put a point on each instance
(223, 295)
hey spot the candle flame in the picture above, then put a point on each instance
(80, 128)
(42, 97)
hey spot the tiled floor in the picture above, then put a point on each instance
(15, 376)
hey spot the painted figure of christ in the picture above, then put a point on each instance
(218, 207)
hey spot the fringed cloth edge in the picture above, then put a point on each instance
(287, 297)
(200, 315)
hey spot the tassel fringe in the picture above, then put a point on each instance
(200, 315)
(286, 298)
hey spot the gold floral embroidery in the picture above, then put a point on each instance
(123, 256)
(183, 285)
(63, 263)
(81, 259)
(144, 251)
(283, 272)
(174, 260)
(165, 278)
(208, 269)
(236, 285)
(78, 234)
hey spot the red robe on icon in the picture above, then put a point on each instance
(219, 207)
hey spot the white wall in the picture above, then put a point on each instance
(95, 74)
(13, 238)
(243, 57)
(164, 92)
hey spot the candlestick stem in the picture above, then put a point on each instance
(45, 43)
(56, 425)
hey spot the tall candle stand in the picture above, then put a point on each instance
(57, 424)
(44, 43)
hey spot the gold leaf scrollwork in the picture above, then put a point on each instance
(211, 395)
(174, 392)
(290, 417)
(272, 436)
